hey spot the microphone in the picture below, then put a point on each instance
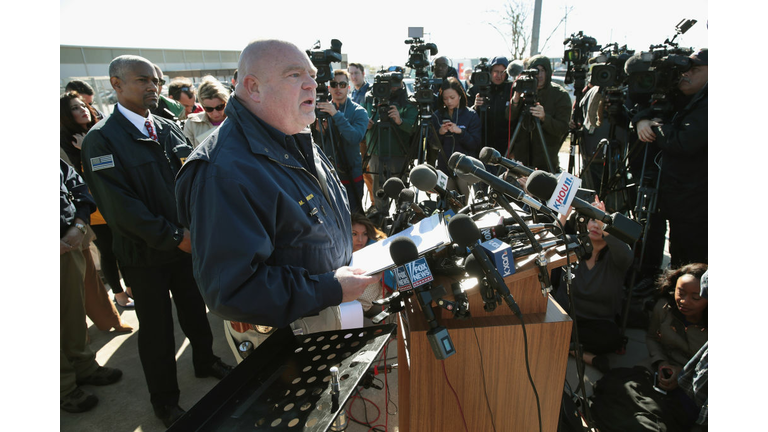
(393, 186)
(542, 185)
(424, 177)
(490, 298)
(465, 233)
(491, 156)
(405, 199)
(412, 272)
(462, 163)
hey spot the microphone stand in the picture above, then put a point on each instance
(541, 258)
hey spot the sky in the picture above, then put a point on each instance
(375, 34)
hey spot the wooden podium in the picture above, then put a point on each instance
(489, 359)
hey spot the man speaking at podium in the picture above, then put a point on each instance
(270, 221)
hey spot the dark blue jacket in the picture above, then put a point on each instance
(266, 238)
(467, 142)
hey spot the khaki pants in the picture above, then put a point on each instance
(76, 359)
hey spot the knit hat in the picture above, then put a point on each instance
(704, 284)
(500, 61)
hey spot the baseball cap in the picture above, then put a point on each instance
(700, 58)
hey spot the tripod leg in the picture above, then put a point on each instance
(544, 144)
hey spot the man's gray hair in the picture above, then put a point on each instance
(123, 63)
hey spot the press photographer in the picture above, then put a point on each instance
(549, 105)
(682, 138)
(391, 119)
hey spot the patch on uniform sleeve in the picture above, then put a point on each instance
(102, 162)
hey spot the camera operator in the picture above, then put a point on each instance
(683, 143)
(496, 123)
(349, 122)
(592, 117)
(442, 69)
(552, 108)
(388, 139)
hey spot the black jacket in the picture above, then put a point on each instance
(557, 109)
(496, 127)
(132, 178)
(683, 141)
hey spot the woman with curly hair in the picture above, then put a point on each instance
(678, 327)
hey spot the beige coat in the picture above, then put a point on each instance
(197, 128)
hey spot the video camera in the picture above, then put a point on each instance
(418, 60)
(576, 56)
(322, 60)
(664, 64)
(481, 78)
(526, 84)
(383, 82)
(608, 68)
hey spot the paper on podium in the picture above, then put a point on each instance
(428, 234)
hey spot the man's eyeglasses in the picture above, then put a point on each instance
(217, 108)
(340, 84)
(161, 81)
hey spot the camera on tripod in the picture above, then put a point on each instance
(481, 78)
(664, 65)
(576, 56)
(608, 69)
(383, 83)
(418, 60)
(526, 84)
(322, 60)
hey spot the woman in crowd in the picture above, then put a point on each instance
(678, 327)
(214, 97)
(364, 233)
(458, 129)
(597, 288)
(75, 119)
(648, 396)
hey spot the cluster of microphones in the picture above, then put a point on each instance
(527, 225)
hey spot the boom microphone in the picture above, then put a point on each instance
(542, 185)
(463, 163)
(491, 156)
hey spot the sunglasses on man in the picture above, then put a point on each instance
(217, 108)
(340, 84)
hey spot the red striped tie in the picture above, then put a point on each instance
(150, 129)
